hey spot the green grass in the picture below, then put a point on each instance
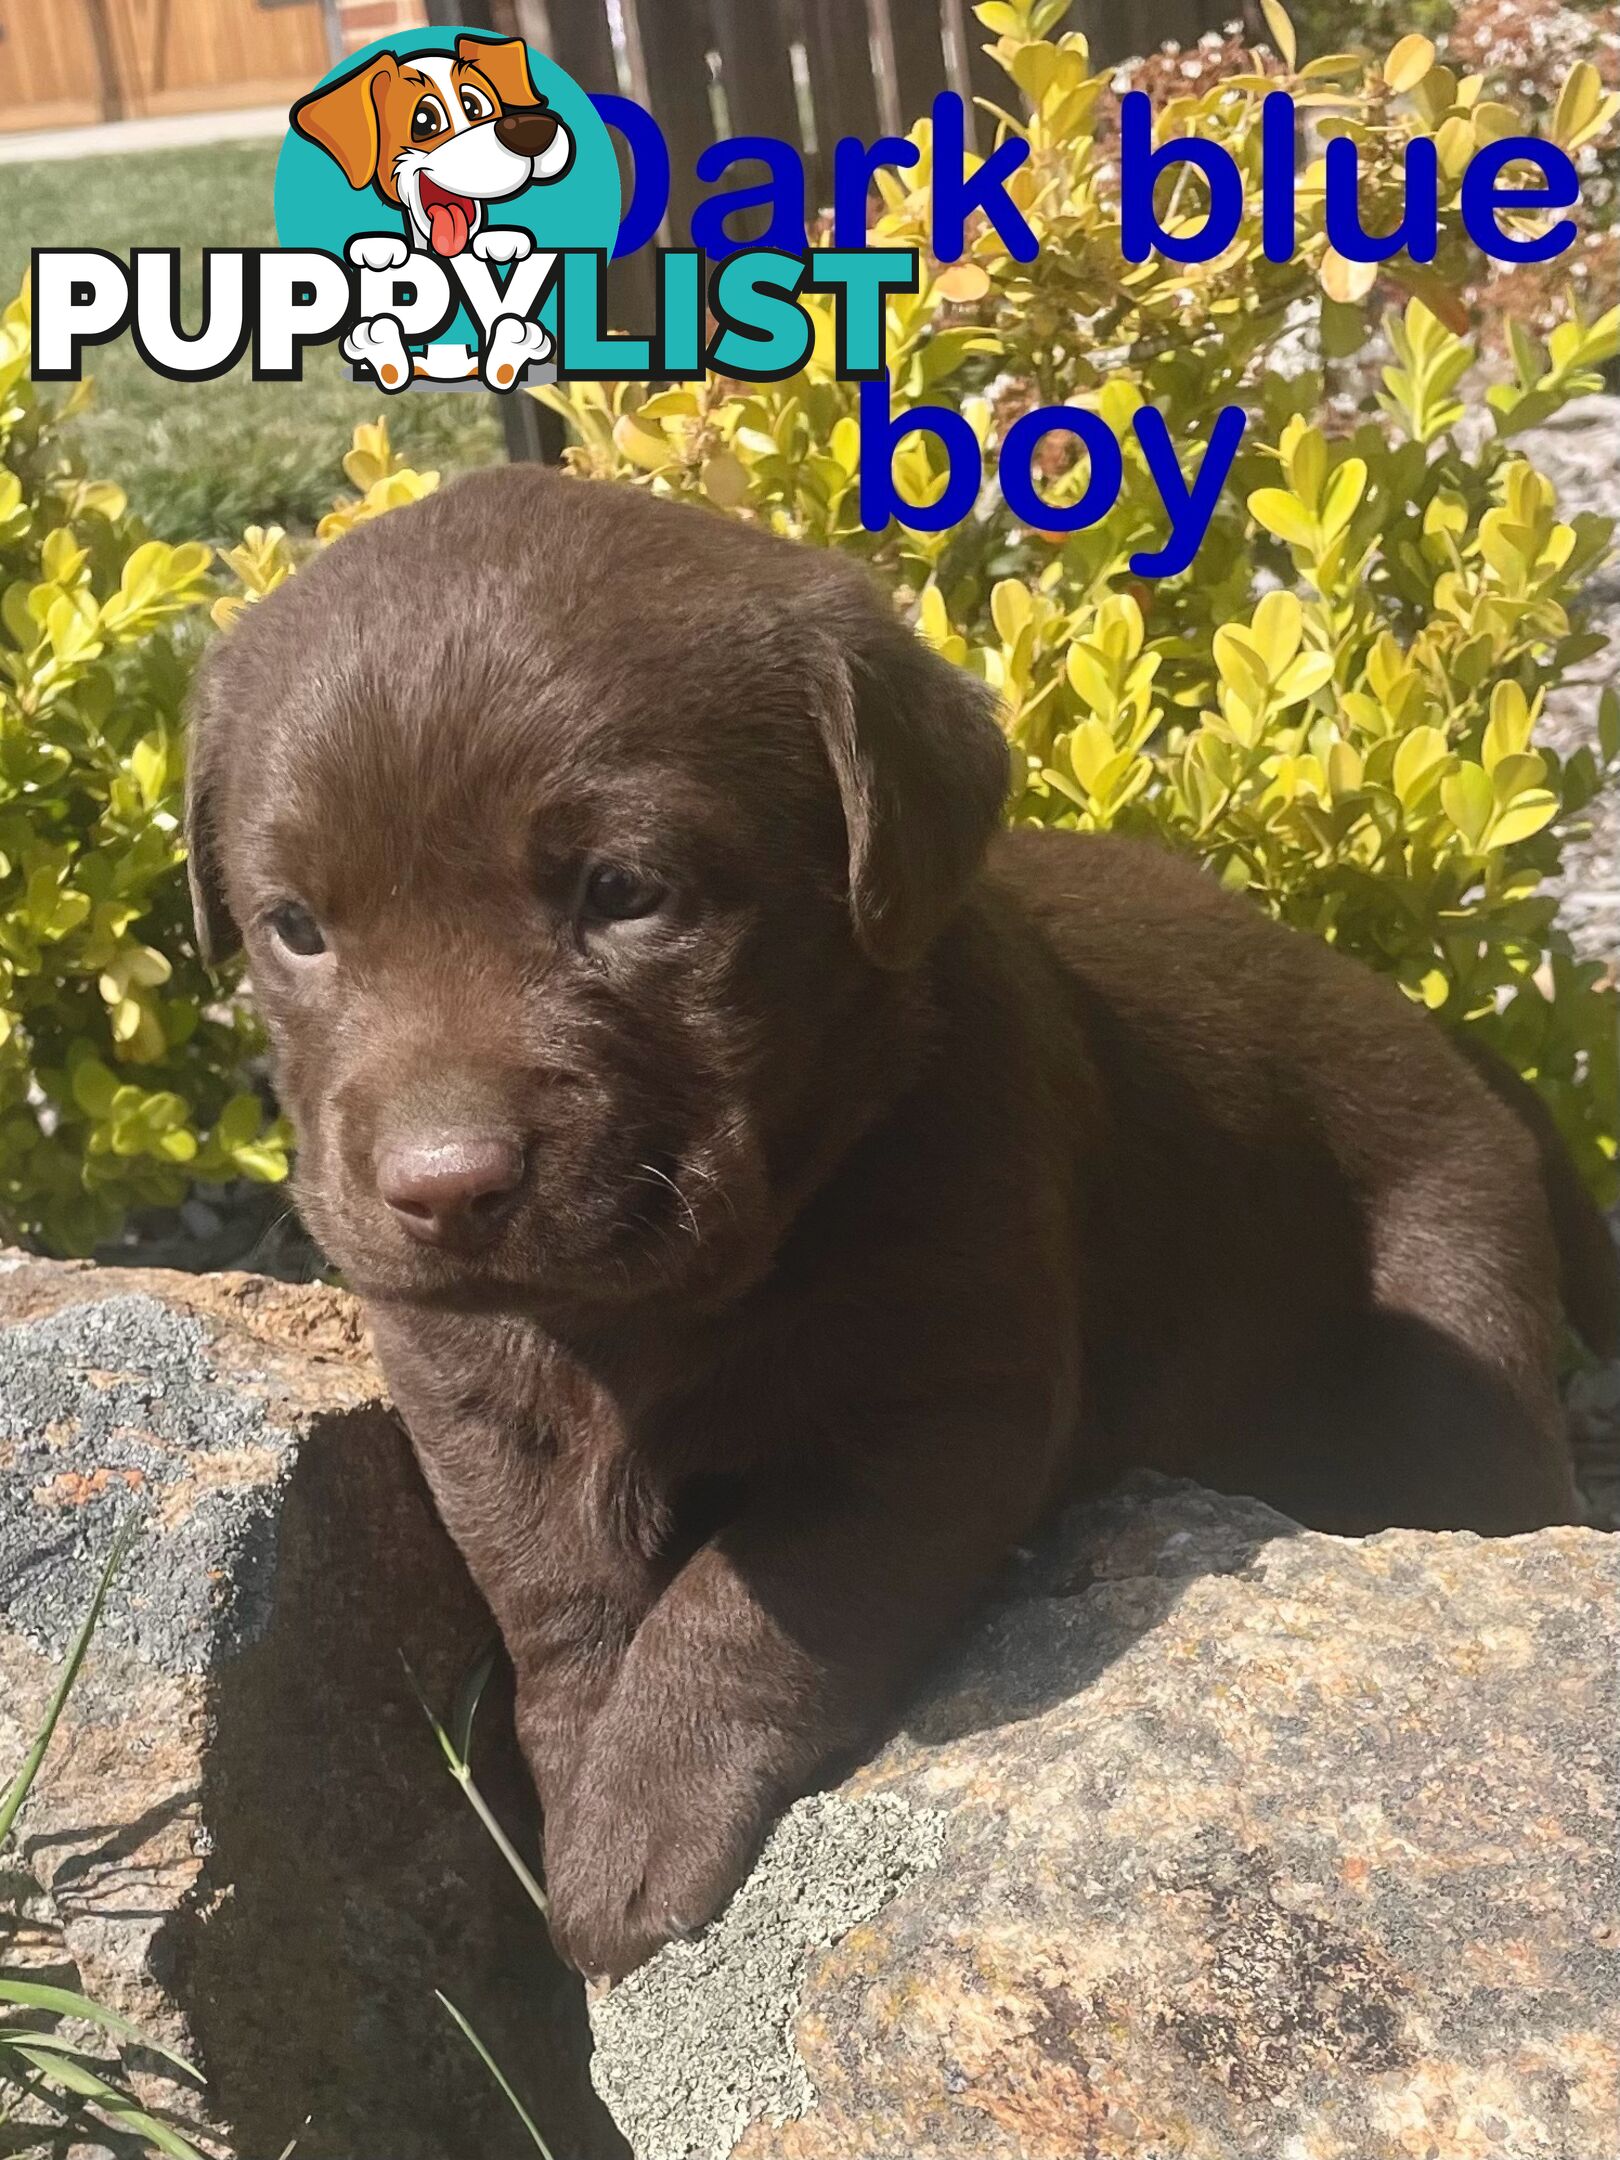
(202, 460)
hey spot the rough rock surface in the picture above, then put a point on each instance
(1219, 1840)
(244, 1835)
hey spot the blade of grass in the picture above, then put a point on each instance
(65, 2110)
(468, 1696)
(461, 1771)
(31, 1995)
(22, 1783)
(29, 2087)
(127, 2114)
(495, 2071)
(13, 2035)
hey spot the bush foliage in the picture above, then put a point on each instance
(124, 1072)
(121, 1072)
(1336, 707)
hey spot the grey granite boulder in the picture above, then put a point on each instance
(1218, 1840)
(245, 1837)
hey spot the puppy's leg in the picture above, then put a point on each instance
(558, 1536)
(778, 1647)
(569, 1589)
(568, 1626)
(1439, 1409)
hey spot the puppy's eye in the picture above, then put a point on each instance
(295, 929)
(614, 894)
(429, 118)
(474, 103)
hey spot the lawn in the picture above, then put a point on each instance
(201, 460)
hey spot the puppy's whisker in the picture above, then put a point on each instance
(265, 1235)
(711, 1182)
(651, 1170)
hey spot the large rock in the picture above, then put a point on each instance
(1219, 1840)
(245, 1833)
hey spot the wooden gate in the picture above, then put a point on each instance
(69, 63)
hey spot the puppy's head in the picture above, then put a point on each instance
(585, 850)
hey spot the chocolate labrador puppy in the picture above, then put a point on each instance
(771, 1190)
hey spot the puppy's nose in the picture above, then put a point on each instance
(455, 1191)
(529, 130)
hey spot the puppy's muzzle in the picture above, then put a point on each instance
(528, 129)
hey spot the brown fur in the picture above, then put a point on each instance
(886, 1184)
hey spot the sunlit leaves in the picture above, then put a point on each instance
(117, 1060)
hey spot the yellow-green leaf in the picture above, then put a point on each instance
(1010, 609)
(1344, 492)
(1526, 815)
(1409, 61)
(1304, 676)
(1418, 759)
(1281, 32)
(1279, 624)
(1579, 102)
(1468, 799)
(1285, 515)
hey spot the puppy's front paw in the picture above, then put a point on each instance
(380, 346)
(503, 244)
(513, 343)
(378, 251)
(635, 1865)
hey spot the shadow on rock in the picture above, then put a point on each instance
(1107, 1574)
(358, 1879)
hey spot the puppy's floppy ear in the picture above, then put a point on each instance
(342, 119)
(922, 772)
(505, 61)
(217, 933)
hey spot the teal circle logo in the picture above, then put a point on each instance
(446, 167)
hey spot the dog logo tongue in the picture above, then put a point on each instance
(449, 218)
(448, 222)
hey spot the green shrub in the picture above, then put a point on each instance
(1335, 708)
(121, 1072)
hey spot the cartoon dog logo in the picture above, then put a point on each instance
(439, 136)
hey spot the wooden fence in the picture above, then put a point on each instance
(804, 71)
(70, 63)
